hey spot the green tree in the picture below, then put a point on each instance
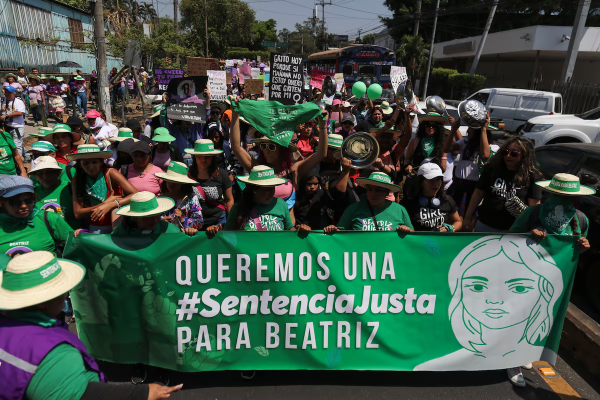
(230, 24)
(412, 54)
(368, 39)
(264, 31)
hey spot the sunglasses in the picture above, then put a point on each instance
(429, 125)
(513, 153)
(270, 146)
(13, 202)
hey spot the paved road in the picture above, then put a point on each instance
(380, 385)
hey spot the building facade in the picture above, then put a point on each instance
(41, 33)
(384, 39)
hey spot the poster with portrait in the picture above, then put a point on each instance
(186, 99)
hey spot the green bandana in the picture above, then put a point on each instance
(427, 145)
(275, 120)
(556, 213)
(21, 221)
(96, 189)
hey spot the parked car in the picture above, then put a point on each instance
(582, 160)
(552, 129)
(516, 106)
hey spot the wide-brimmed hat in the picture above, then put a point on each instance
(292, 147)
(34, 76)
(36, 277)
(386, 108)
(44, 76)
(204, 147)
(42, 132)
(262, 175)
(87, 151)
(566, 185)
(335, 141)
(60, 79)
(219, 105)
(157, 109)
(177, 172)
(379, 179)
(162, 135)
(145, 204)
(396, 132)
(11, 74)
(44, 162)
(42, 146)
(433, 117)
(124, 133)
(79, 78)
(62, 128)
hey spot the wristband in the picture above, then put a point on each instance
(449, 227)
(118, 204)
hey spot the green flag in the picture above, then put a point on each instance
(275, 120)
(354, 300)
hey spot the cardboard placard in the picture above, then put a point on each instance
(164, 76)
(197, 66)
(254, 86)
(286, 78)
(317, 76)
(398, 76)
(217, 84)
(228, 78)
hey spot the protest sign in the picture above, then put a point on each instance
(229, 63)
(267, 77)
(398, 76)
(217, 85)
(255, 72)
(245, 70)
(164, 76)
(286, 81)
(229, 78)
(254, 86)
(351, 301)
(197, 66)
(317, 76)
(182, 88)
(187, 111)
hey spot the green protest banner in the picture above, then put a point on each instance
(354, 300)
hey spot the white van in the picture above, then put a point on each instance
(516, 106)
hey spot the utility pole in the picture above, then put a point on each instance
(175, 12)
(359, 31)
(484, 37)
(100, 40)
(576, 35)
(437, 7)
(323, 4)
(206, 26)
(417, 18)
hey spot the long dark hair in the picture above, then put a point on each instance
(80, 177)
(245, 206)
(527, 169)
(213, 169)
(415, 190)
(438, 139)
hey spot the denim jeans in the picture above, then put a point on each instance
(35, 111)
(82, 102)
(72, 102)
(17, 135)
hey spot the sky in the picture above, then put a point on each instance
(343, 17)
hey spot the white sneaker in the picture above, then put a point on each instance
(527, 366)
(516, 377)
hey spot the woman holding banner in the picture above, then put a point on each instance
(53, 362)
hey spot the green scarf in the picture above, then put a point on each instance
(21, 221)
(556, 213)
(275, 120)
(427, 145)
(96, 188)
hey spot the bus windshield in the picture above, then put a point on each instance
(366, 70)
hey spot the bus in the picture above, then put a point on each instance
(360, 62)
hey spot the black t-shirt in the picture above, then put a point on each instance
(214, 189)
(498, 188)
(317, 213)
(428, 218)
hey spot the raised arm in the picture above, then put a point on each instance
(401, 145)
(453, 136)
(304, 166)
(484, 146)
(241, 154)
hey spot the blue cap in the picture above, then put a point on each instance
(10, 89)
(13, 185)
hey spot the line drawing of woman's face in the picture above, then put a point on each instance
(500, 297)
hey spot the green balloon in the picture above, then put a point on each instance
(359, 89)
(374, 91)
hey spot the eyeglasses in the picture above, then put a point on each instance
(16, 202)
(269, 146)
(513, 153)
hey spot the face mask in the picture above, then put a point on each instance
(556, 214)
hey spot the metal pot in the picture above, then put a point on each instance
(361, 148)
(473, 113)
(435, 104)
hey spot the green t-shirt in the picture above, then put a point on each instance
(64, 177)
(62, 373)
(274, 216)
(22, 238)
(58, 200)
(526, 223)
(358, 217)
(7, 161)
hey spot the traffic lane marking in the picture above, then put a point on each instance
(556, 382)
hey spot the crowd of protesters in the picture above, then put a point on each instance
(91, 177)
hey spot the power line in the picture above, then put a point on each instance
(354, 9)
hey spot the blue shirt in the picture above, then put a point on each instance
(185, 140)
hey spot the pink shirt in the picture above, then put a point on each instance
(148, 182)
(304, 147)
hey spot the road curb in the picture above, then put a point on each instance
(581, 339)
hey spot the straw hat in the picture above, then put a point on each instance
(261, 175)
(124, 133)
(204, 147)
(386, 108)
(11, 74)
(36, 277)
(335, 141)
(44, 162)
(162, 135)
(42, 132)
(80, 78)
(379, 179)
(157, 109)
(145, 204)
(292, 147)
(33, 76)
(219, 105)
(566, 185)
(42, 146)
(62, 128)
(177, 172)
(87, 151)
(433, 117)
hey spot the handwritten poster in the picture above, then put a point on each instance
(286, 78)
(254, 86)
(164, 76)
(217, 85)
(255, 72)
(398, 76)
